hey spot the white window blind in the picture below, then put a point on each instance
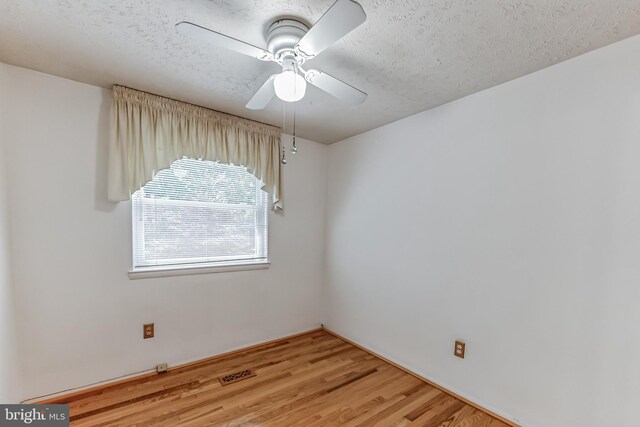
(199, 213)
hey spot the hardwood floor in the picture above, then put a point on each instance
(311, 380)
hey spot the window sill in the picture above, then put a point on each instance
(150, 272)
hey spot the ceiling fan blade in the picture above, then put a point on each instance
(337, 22)
(263, 96)
(204, 34)
(335, 87)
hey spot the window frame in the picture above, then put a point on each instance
(221, 264)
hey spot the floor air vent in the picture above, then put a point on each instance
(236, 376)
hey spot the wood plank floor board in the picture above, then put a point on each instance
(366, 406)
(411, 399)
(465, 415)
(349, 373)
(274, 353)
(382, 394)
(209, 384)
(235, 401)
(311, 380)
(356, 391)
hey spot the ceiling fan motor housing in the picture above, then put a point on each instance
(283, 36)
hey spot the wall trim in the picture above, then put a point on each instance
(76, 392)
(426, 380)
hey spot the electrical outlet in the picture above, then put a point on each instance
(161, 368)
(458, 350)
(148, 331)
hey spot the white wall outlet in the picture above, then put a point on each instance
(161, 368)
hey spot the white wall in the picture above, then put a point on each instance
(81, 315)
(9, 367)
(509, 219)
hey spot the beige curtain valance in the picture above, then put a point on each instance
(151, 132)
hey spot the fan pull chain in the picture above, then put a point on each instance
(294, 149)
(284, 125)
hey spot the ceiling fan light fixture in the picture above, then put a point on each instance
(290, 86)
(290, 43)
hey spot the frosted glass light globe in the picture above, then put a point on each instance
(290, 86)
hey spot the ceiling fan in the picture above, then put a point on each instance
(290, 43)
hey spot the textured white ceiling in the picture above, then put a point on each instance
(410, 55)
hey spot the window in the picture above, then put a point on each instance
(199, 213)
